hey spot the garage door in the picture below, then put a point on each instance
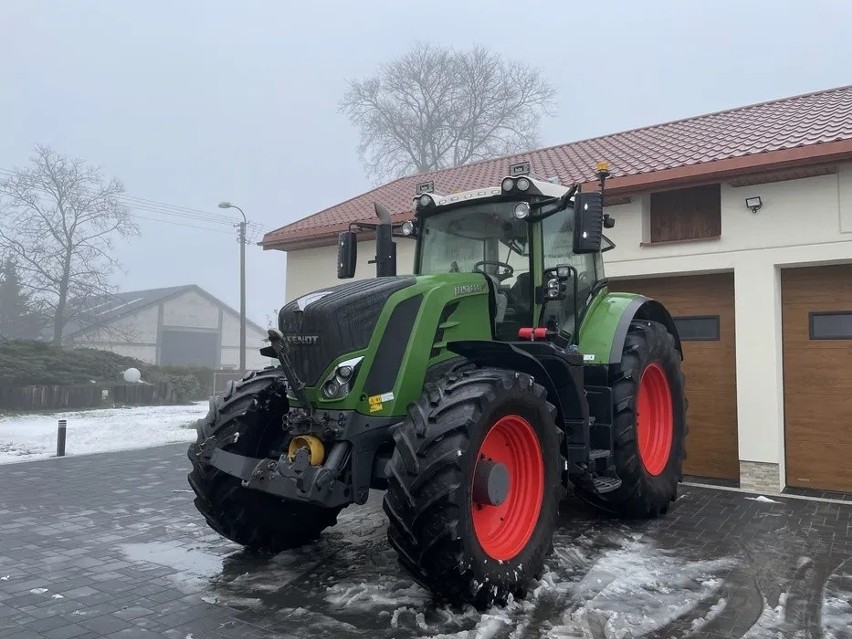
(703, 308)
(817, 316)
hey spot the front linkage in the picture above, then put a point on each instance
(303, 472)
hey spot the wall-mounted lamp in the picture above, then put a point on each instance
(754, 203)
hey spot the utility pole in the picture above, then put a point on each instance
(242, 235)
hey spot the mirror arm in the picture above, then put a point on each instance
(561, 203)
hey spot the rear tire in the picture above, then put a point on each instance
(251, 412)
(649, 427)
(464, 551)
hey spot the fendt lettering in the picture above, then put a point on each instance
(473, 413)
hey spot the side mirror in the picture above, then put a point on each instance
(588, 222)
(347, 254)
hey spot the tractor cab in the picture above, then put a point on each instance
(537, 243)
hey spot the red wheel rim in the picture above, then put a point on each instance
(654, 421)
(504, 530)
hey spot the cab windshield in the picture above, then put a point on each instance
(485, 238)
(475, 238)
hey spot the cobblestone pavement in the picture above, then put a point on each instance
(110, 546)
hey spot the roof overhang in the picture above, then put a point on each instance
(719, 170)
(619, 189)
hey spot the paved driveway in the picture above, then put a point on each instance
(110, 545)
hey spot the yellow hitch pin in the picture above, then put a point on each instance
(316, 451)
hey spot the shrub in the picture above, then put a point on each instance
(185, 387)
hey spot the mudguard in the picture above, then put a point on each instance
(642, 308)
(605, 324)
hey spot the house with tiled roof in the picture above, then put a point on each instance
(740, 222)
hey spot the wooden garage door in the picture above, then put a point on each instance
(703, 308)
(817, 316)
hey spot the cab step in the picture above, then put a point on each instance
(606, 484)
(599, 453)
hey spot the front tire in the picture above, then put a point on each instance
(650, 422)
(247, 421)
(456, 541)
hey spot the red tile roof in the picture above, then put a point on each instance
(739, 136)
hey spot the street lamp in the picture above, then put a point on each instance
(242, 225)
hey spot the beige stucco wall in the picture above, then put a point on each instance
(802, 222)
(314, 268)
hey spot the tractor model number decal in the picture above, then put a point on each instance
(465, 289)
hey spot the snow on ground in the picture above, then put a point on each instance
(837, 603)
(33, 436)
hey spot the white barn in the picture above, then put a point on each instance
(176, 326)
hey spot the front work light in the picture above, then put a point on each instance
(407, 228)
(507, 184)
(522, 210)
(523, 184)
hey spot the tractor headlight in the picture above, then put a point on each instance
(523, 184)
(522, 209)
(338, 384)
(330, 389)
(507, 184)
(408, 228)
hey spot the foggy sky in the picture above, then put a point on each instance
(190, 103)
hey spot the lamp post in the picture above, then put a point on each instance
(242, 226)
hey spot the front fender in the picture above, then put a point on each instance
(563, 385)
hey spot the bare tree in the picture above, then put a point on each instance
(59, 218)
(436, 107)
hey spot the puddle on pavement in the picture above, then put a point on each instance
(187, 561)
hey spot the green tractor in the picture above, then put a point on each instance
(473, 392)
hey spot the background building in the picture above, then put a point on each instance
(178, 326)
(741, 223)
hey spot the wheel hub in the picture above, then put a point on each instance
(490, 483)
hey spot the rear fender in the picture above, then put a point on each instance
(604, 327)
(642, 308)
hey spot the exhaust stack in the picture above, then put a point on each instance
(385, 246)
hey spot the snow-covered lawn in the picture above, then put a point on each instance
(27, 437)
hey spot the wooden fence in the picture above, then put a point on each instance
(84, 396)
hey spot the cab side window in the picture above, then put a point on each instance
(558, 238)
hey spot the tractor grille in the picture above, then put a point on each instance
(341, 319)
